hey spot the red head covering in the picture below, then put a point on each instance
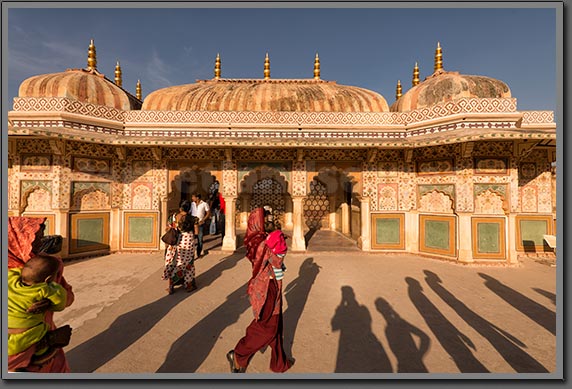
(277, 242)
(21, 234)
(255, 233)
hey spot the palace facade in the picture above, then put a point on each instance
(451, 169)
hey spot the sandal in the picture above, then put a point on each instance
(170, 289)
(233, 369)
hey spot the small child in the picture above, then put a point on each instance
(276, 242)
(26, 286)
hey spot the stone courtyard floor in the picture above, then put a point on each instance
(344, 311)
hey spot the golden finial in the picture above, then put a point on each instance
(438, 58)
(118, 80)
(415, 75)
(91, 60)
(317, 68)
(266, 67)
(138, 90)
(217, 67)
(398, 90)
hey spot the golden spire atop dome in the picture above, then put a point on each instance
(91, 58)
(266, 67)
(138, 90)
(438, 58)
(317, 68)
(415, 75)
(118, 80)
(398, 90)
(217, 67)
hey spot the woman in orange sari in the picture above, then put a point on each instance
(24, 240)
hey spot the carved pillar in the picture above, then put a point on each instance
(299, 189)
(464, 238)
(364, 241)
(229, 191)
(229, 240)
(298, 242)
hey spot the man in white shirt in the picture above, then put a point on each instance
(202, 213)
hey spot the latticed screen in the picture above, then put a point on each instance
(270, 192)
(316, 205)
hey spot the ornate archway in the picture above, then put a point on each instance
(265, 186)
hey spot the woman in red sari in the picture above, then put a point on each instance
(265, 293)
(24, 240)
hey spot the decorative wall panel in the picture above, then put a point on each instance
(438, 235)
(141, 230)
(89, 232)
(488, 238)
(530, 231)
(388, 231)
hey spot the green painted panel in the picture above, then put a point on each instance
(140, 229)
(437, 234)
(89, 232)
(488, 238)
(387, 231)
(533, 231)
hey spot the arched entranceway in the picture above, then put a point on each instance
(190, 180)
(332, 205)
(265, 186)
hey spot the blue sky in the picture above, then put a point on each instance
(370, 48)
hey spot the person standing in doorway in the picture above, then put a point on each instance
(222, 210)
(203, 213)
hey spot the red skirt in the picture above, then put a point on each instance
(267, 331)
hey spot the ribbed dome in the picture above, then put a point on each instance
(88, 86)
(265, 95)
(444, 86)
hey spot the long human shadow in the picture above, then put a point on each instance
(547, 294)
(506, 344)
(453, 341)
(359, 350)
(296, 294)
(538, 313)
(189, 351)
(399, 333)
(131, 326)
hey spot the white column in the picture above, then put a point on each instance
(115, 231)
(364, 241)
(345, 219)
(412, 231)
(245, 206)
(298, 242)
(464, 237)
(62, 228)
(288, 217)
(333, 213)
(512, 254)
(229, 240)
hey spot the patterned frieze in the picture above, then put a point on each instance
(493, 148)
(436, 166)
(336, 155)
(434, 153)
(65, 104)
(191, 153)
(264, 154)
(465, 105)
(494, 166)
(537, 117)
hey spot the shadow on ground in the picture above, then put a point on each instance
(131, 326)
(359, 350)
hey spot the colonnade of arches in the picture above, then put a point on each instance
(330, 202)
